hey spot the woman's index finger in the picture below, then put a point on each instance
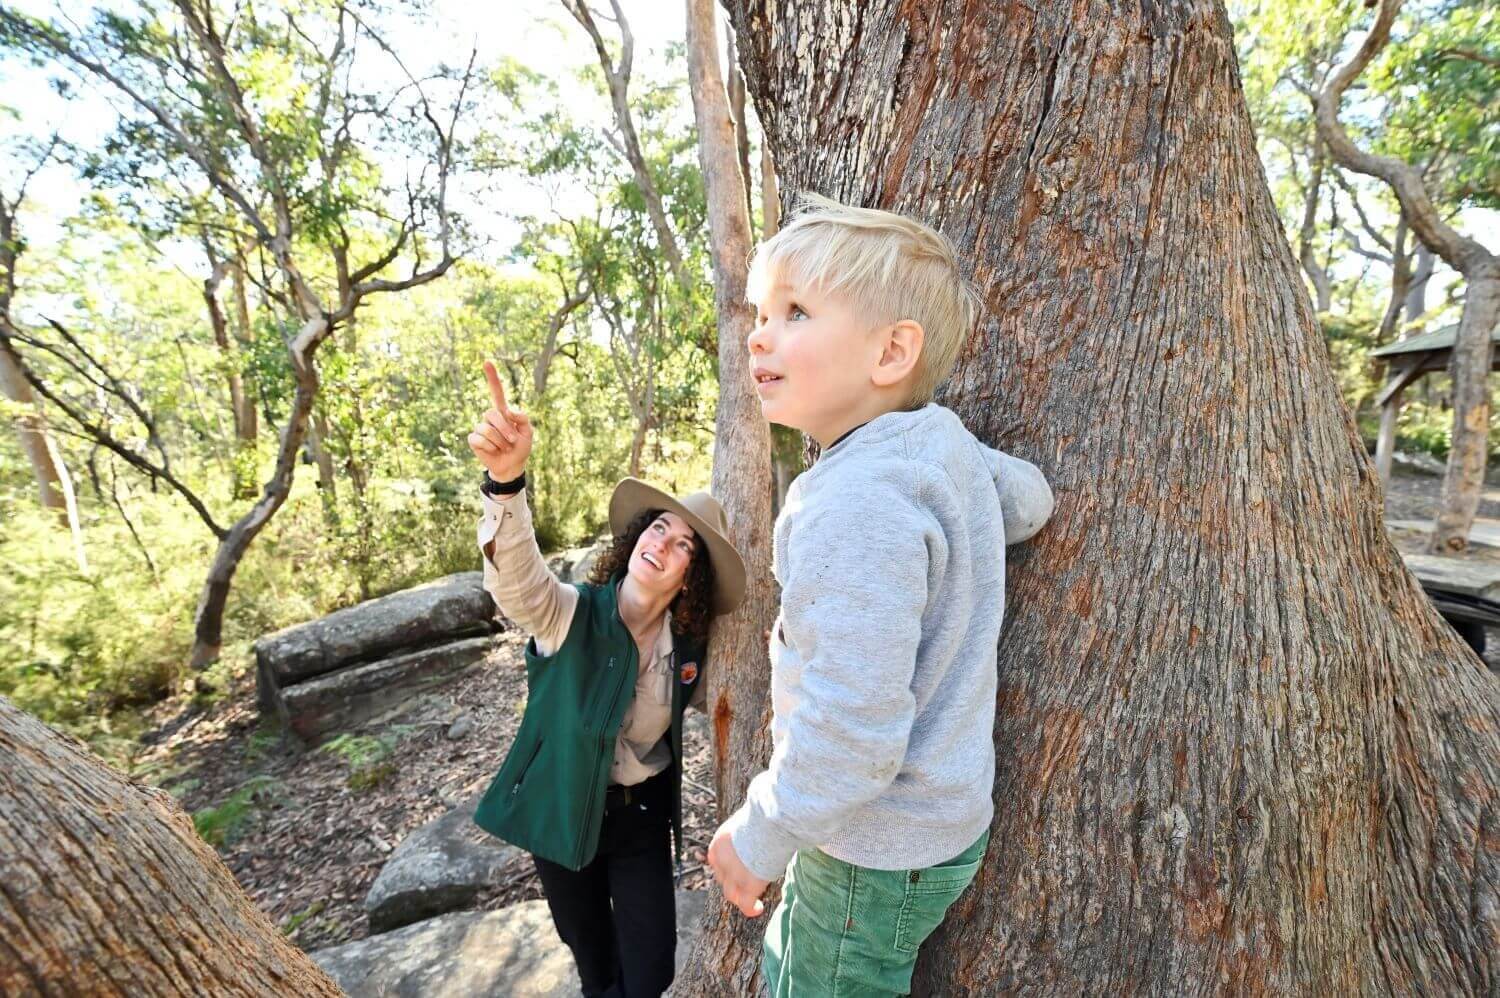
(497, 390)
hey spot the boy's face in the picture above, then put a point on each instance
(812, 357)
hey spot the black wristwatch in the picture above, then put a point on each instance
(502, 490)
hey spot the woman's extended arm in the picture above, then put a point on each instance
(515, 575)
(518, 578)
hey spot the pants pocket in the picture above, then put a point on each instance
(928, 895)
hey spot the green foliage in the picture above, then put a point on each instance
(368, 756)
(400, 387)
(295, 922)
(220, 824)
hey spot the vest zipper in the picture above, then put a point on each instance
(527, 768)
(603, 764)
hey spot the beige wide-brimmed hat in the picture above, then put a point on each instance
(704, 514)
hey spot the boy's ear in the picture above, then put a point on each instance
(903, 345)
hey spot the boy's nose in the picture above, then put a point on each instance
(757, 341)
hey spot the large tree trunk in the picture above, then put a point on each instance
(1236, 748)
(738, 679)
(106, 889)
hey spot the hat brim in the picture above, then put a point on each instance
(633, 497)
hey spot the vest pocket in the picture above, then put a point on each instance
(521, 776)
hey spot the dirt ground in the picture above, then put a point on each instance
(309, 845)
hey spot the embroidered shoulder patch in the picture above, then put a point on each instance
(689, 672)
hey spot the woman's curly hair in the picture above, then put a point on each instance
(692, 610)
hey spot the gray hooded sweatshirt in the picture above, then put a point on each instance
(890, 552)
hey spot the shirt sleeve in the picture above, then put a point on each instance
(517, 577)
(854, 592)
(1025, 497)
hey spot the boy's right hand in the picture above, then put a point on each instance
(502, 438)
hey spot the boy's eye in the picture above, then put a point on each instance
(797, 313)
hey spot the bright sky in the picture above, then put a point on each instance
(538, 33)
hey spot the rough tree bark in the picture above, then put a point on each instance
(1470, 364)
(106, 889)
(1237, 751)
(738, 681)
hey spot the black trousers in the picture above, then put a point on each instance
(618, 914)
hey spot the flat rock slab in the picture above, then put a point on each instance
(1476, 578)
(514, 951)
(341, 700)
(440, 867)
(447, 608)
(1485, 532)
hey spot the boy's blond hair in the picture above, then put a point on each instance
(888, 266)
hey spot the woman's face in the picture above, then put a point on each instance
(662, 554)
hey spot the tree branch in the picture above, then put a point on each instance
(1461, 253)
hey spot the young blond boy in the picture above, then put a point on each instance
(890, 552)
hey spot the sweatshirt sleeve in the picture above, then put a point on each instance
(854, 591)
(1025, 497)
(517, 577)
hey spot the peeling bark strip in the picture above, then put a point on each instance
(1236, 750)
(105, 889)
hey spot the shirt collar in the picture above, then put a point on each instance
(664, 644)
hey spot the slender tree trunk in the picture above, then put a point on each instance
(1416, 291)
(220, 326)
(317, 442)
(208, 619)
(738, 679)
(31, 431)
(1469, 372)
(246, 421)
(1307, 238)
(1237, 750)
(737, 113)
(770, 200)
(108, 890)
(1390, 322)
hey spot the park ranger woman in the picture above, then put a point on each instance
(592, 784)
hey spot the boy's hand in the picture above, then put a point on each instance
(502, 438)
(740, 886)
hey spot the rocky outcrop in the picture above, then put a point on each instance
(334, 672)
(441, 867)
(514, 951)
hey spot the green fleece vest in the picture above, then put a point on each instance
(548, 797)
